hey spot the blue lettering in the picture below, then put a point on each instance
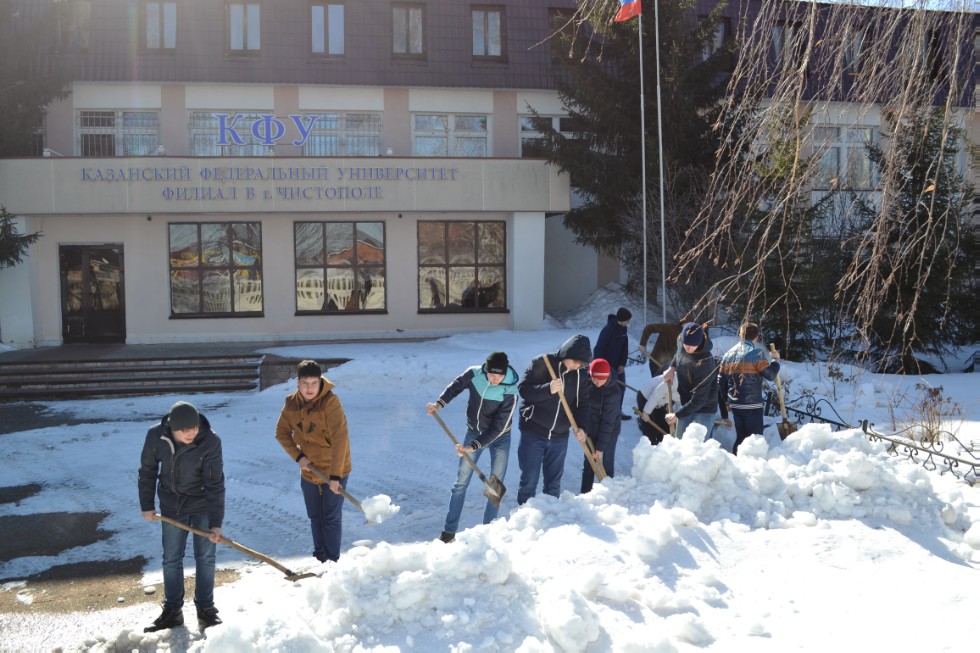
(304, 131)
(224, 129)
(266, 135)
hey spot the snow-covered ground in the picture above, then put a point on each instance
(818, 543)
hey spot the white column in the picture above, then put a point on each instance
(525, 264)
(17, 298)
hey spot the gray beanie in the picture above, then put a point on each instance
(183, 416)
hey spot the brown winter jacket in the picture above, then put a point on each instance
(666, 345)
(316, 429)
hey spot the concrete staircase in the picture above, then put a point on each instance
(120, 377)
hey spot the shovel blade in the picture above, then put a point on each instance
(785, 428)
(495, 490)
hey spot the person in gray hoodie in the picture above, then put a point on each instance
(543, 424)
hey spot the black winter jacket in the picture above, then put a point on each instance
(696, 379)
(189, 479)
(490, 408)
(613, 344)
(541, 411)
(604, 415)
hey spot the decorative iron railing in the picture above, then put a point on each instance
(930, 454)
(807, 408)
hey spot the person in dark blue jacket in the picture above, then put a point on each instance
(743, 367)
(696, 372)
(489, 414)
(613, 346)
(181, 462)
(544, 424)
(604, 423)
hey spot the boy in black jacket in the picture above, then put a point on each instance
(181, 463)
(544, 425)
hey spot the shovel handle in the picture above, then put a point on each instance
(465, 455)
(224, 540)
(343, 492)
(587, 446)
(670, 403)
(646, 418)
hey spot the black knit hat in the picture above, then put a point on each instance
(497, 363)
(623, 315)
(183, 416)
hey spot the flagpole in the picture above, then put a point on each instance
(660, 150)
(643, 155)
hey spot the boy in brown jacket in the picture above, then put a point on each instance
(312, 430)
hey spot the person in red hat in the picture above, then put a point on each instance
(604, 421)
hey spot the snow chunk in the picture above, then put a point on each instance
(378, 508)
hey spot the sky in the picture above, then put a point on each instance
(819, 542)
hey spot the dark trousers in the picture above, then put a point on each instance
(747, 422)
(323, 507)
(537, 454)
(658, 416)
(608, 464)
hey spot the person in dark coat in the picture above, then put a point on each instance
(544, 425)
(489, 413)
(613, 346)
(181, 463)
(604, 423)
(743, 367)
(664, 348)
(696, 373)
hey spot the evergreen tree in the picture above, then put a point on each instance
(29, 79)
(600, 89)
(13, 245)
(925, 279)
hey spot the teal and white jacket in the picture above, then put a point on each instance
(490, 409)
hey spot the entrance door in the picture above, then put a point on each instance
(92, 293)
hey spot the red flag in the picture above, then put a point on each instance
(629, 9)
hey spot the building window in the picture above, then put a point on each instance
(844, 162)
(533, 128)
(408, 29)
(215, 269)
(159, 25)
(721, 32)
(488, 32)
(788, 45)
(327, 19)
(853, 51)
(244, 26)
(343, 134)
(462, 265)
(228, 133)
(340, 267)
(447, 134)
(118, 133)
(74, 26)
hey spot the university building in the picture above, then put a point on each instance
(297, 169)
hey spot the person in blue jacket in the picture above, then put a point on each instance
(489, 414)
(696, 373)
(181, 462)
(544, 424)
(743, 367)
(613, 346)
(604, 423)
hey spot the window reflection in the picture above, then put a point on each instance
(461, 265)
(340, 266)
(215, 268)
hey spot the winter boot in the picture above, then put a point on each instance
(207, 617)
(169, 618)
(447, 537)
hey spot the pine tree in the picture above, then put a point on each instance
(13, 245)
(600, 89)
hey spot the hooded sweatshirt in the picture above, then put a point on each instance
(696, 379)
(541, 411)
(490, 409)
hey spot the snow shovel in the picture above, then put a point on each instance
(587, 446)
(670, 402)
(343, 492)
(646, 418)
(290, 574)
(785, 427)
(495, 487)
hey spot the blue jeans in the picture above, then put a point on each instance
(323, 507)
(537, 453)
(174, 547)
(499, 452)
(747, 422)
(705, 419)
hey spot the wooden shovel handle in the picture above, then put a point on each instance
(343, 492)
(670, 405)
(587, 446)
(646, 418)
(465, 455)
(224, 540)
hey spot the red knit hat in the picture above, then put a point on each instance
(599, 369)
